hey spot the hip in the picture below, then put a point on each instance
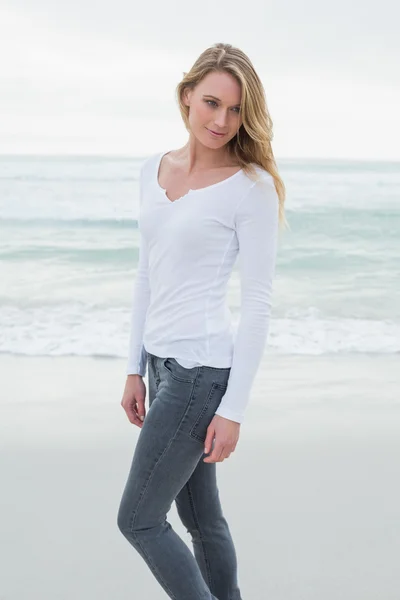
(187, 396)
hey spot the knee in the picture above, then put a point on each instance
(123, 520)
(130, 521)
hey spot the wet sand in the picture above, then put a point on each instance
(312, 492)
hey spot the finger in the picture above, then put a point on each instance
(132, 416)
(140, 410)
(209, 440)
(228, 451)
(222, 454)
(209, 446)
(215, 454)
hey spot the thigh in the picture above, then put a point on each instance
(190, 395)
(198, 502)
(170, 444)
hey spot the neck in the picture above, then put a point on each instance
(198, 157)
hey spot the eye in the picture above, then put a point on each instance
(213, 103)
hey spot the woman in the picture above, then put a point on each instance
(201, 206)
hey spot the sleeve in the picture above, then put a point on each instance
(137, 355)
(256, 224)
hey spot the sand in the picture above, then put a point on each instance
(312, 492)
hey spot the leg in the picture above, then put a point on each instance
(200, 511)
(166, 454)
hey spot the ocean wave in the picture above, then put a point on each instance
(61, 222)
(76, 329)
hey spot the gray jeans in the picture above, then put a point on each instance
(168, 466)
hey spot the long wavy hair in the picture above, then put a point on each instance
(252, 143)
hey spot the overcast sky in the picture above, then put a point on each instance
(92, 77)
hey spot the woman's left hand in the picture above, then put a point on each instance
(226, 434)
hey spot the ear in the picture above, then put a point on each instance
(186, 96)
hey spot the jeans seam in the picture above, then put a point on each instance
(175, 377)
(192, 430)
(214, 386)
(153, 567)
(146, 484)
(197, 524)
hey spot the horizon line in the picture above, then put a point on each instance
(143, 157)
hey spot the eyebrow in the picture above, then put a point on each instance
(215, 98)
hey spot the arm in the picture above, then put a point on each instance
(137, 355)
(256, 223)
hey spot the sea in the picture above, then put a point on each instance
(69, 251)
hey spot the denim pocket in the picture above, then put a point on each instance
(179, 373)
(205, 416)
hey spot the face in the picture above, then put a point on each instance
(214, 107)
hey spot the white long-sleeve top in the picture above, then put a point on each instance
(187, 250)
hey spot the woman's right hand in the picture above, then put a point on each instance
(133, 399)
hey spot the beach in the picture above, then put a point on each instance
(311, 493)
(90, 93)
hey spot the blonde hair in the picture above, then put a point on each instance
(252, 143)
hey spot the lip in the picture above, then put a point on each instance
(215, 133)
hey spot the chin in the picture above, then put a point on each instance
(215, 142)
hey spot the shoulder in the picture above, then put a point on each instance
(259, 176)
(260, 192)
(258, 206)
(147, 165)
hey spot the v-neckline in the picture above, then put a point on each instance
(190, 190)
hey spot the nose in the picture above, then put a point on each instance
(221, 119)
